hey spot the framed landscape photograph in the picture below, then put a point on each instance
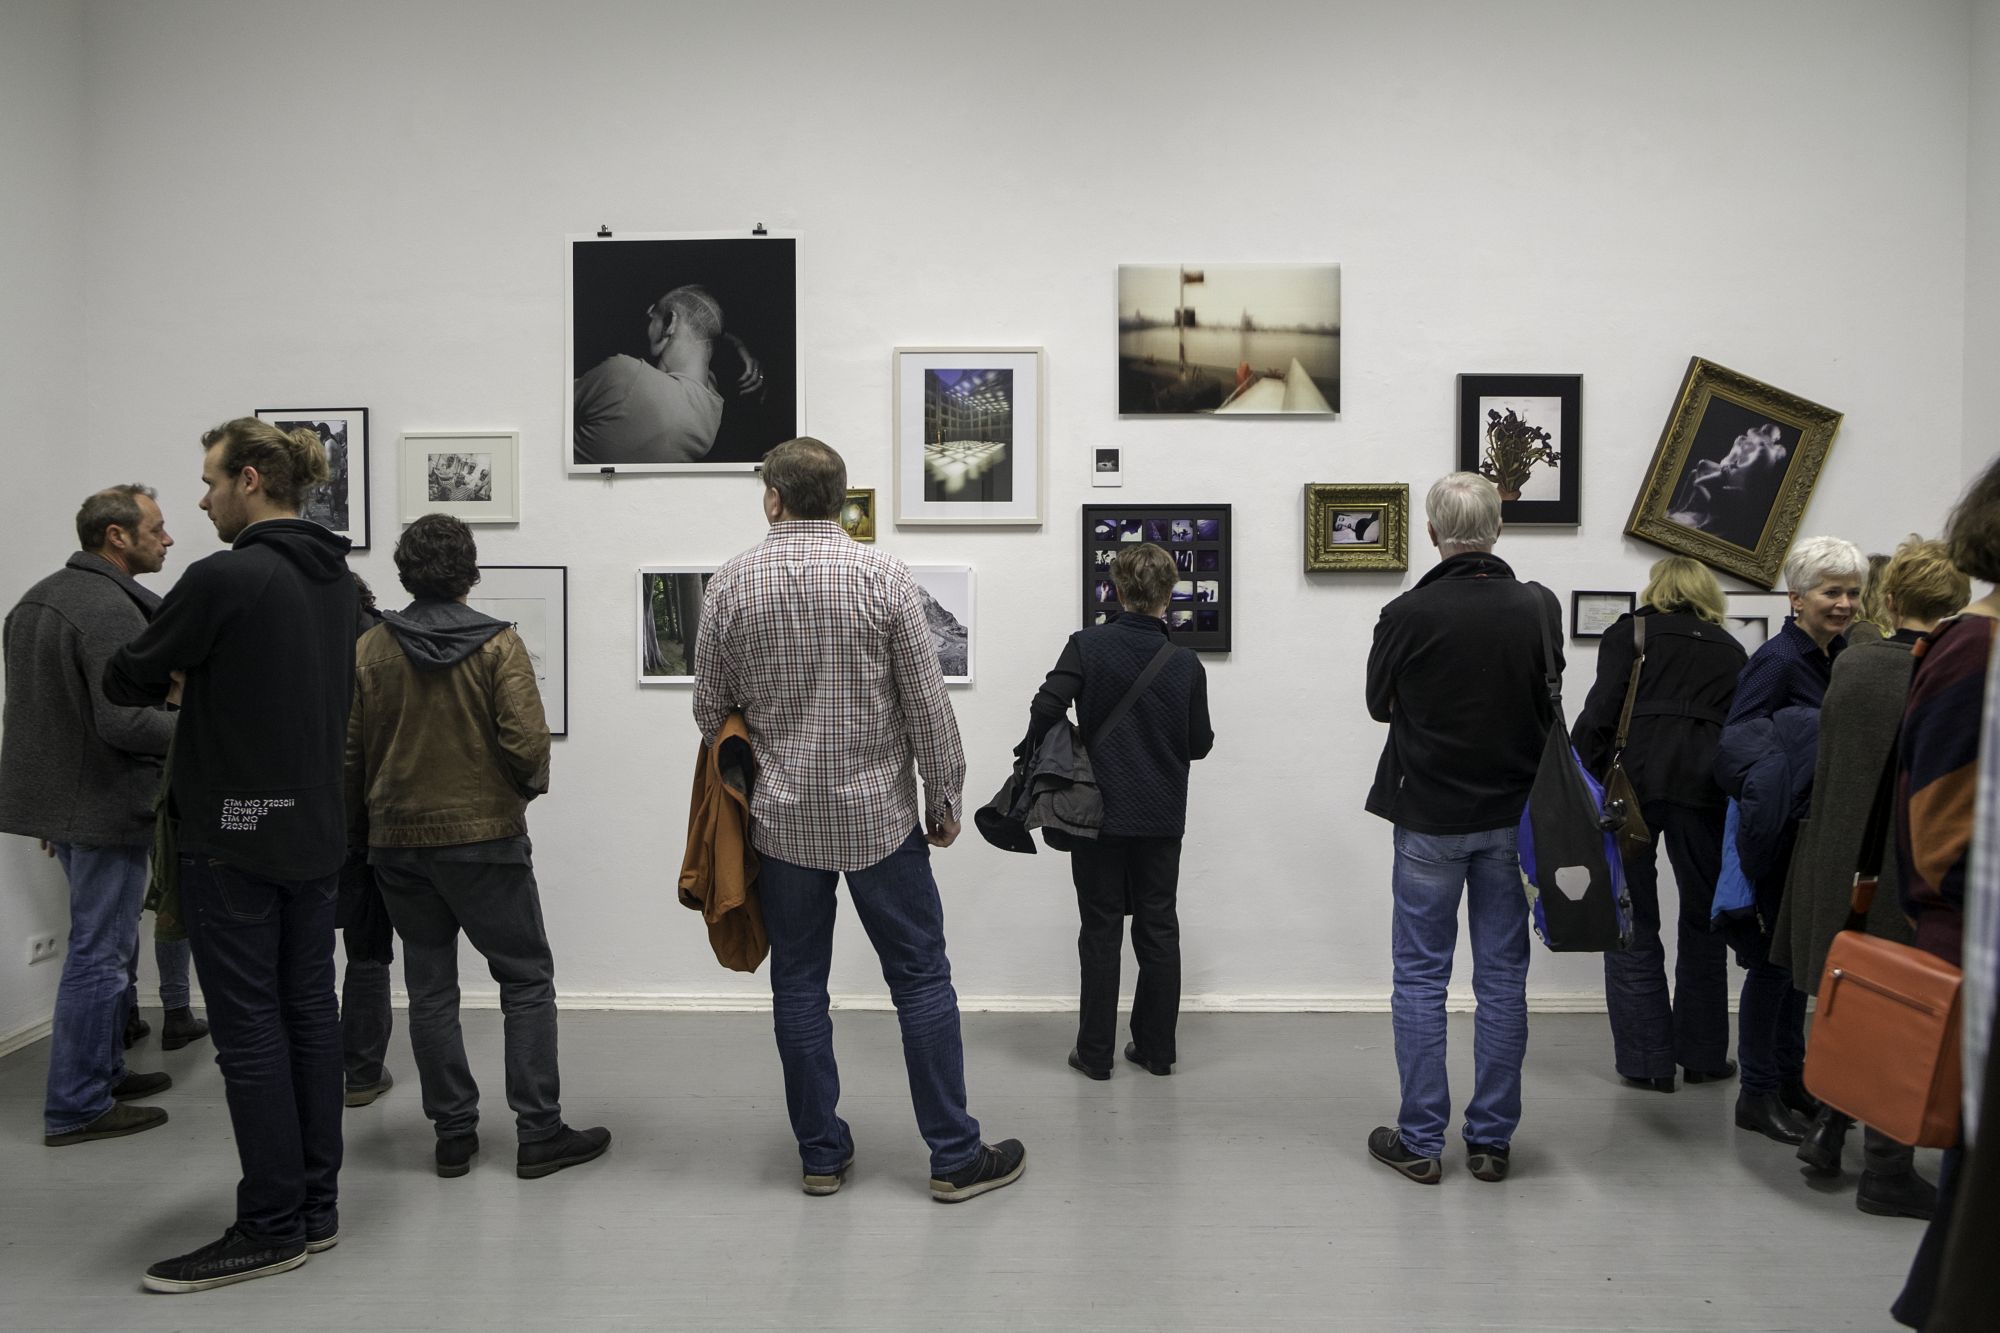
(1591, 613)
(1202, 608)
(1524, 434)
(342, 504)
(669, 618)
(1229, 339)
(471, 475)
(1732, 473)
(534, 599)
(968, 436)
(950, 609)
(857, 515)
(682, 351)
(1357, 528)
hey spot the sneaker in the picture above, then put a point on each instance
(136, 1029)
(234, 1258)
(1076, 1063)
(994, 1167)
(135, 1086)
(1385, 1145)
(319, 1242)
(454, 1154)
(569, 1147)
(180, 1028)
(362, 1096)
(1486, 1161)
(828, 1184)
(116, 1123)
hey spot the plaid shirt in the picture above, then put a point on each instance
(824, 645)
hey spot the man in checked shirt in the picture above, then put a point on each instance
(823, 645)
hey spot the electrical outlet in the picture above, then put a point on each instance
(41, 948)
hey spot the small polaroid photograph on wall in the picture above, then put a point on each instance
(1108, 469)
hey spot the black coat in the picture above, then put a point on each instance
(1684, 695)
(1458, 671)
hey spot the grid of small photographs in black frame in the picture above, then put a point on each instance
(1197, 536)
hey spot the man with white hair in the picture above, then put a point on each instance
(1459, 671)
(669, 409)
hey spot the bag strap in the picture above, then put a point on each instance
(1631, 686)
(1874, 843)
(1550, 675)
(1117, 714)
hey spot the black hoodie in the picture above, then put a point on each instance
(265, 633)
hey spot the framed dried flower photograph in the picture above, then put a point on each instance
(1524, 434)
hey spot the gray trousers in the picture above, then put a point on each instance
(431, 898)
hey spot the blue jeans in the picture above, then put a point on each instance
(1430, 872)
(265, 950)
(171, 957)
(87, 1042)
(897, 901)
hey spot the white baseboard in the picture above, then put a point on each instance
(24, 1037)
(733, 1003)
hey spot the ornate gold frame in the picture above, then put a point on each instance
(1391, 554)
(1816, 426)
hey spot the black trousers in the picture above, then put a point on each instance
(1650, 1033)
(1116, 876)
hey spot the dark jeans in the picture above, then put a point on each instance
(1920, 1289)
(1770, 1019)
(365, 1020)
(265, 951)
(1115, 876)
(432, 895)
(897, 901)
(1649, 1034)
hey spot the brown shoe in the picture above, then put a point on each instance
(116, 1123)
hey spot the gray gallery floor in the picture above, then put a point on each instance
(1234, 1195)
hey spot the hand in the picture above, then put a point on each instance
(174, 690)
(48, 848)
(752, 378)
(943, 831)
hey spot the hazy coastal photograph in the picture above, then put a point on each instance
(1255, 339)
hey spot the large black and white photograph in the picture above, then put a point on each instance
(471, 475)
(949, 608)
(1523, 433)
(669, 618)
(341, 505)
(968, 438)
(534, 599)
(1734, 469)
(1255, 339)
(683, 351)
(1196, 537)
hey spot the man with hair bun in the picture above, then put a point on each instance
(256, 646)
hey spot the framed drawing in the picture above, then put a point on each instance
(857, 515)
(950, 608)
(534, 599)
(1591, 613)
(968, 436)
(1227, 339)
(341, 504)
(1202, 606)
(1524, 434)
(669, 617)
(471, 475)
(1357, 527)
(682, 351)
(1733, 471)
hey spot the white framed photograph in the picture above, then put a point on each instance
(471, 475)
(668, 618)
(682, 351)
(969, 436)
(534, 599)
(949, 607)
(341, 505)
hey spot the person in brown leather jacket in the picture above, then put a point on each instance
(446, 745)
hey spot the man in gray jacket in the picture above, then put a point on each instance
(80, 773)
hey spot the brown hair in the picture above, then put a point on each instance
(436, 557)
(1973, 531)
(1144, 576)
(289, 463)
(808, 476)
(112, 507)
(1924, 583)
(1871, 608)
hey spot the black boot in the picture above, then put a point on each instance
(1890, 1185)
(1824, 1141)
(179, 1027)
(1763, 1113)
(1794, 1095)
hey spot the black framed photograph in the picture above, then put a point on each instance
(1229, 339)
(683, 351)
(1201, 610)
(1592, 613)
(1524, 433)
(342, 504)
(534, 599)
(1733, 471)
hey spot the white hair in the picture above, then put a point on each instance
(1814, 560)
(1464, 511)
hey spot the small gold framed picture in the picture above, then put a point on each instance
(1353, 528)
(857, 515)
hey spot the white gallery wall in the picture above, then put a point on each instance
(289, 204)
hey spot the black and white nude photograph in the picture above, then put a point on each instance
(1734, 473)
(1356, 527)
(683, 351)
